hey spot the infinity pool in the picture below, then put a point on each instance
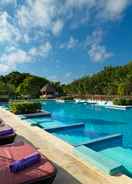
(98, 121)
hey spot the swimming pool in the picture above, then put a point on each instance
(100, 136)
(97, 120)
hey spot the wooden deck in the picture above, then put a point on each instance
(71, 170)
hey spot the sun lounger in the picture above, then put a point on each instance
(7, 134)
(42, 172)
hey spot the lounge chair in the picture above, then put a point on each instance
(43, 172)
(7, 134)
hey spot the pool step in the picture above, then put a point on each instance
(119, 153)
(103, 142)
(50, 125)
(74, 125)
(38, 114)
(73, 140)
(122, 155)
(103, 163)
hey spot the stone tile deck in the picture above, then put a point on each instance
(71, 170)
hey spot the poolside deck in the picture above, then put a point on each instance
(71, 170)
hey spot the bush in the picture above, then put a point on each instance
(67, 98)
(128, 101)
(24, 107)
(122, 101)
(4, 98)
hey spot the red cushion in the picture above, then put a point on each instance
(9, 153)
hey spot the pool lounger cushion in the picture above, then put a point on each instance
(28, 161)
(40, 172)
(103, 163)
(7, 134)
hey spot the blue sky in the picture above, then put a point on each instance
(64, 39)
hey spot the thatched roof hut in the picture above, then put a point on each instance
(48, 89)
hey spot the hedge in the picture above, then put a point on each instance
(24, 107)
(122, 101)
(66, 98)
(4, 98)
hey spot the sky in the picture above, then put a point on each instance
(64, 40)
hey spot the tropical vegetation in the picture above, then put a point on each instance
(122, 101)
(24, 107)
(21, 85)
(109, 81)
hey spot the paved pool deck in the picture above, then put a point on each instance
(71, 169)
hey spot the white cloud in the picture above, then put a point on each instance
(112, 9)
(43, 50)
(57, 27)
(8, 2)
(107, 10)
(8, 32)
(96, 50)
(4, 68)
(80, 3)
(15, 56)
(98, 53)
(37, 13)
(70, 44)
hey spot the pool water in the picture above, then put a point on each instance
(4, 105)
(97, 119)
(76, 136)
(49, 123)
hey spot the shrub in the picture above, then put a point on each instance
(24, 107)
(128, 101)
(122, 101)
(67, 98)
(4, 98)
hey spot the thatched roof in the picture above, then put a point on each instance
(48, 88)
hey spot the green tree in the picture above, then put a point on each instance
(121, 89)
(30, 87)
(7, 89)
(110, 81)
(15, 78)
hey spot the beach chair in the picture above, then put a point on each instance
(7, 134)
(41, 172)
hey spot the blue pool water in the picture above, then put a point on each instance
(97, 120)
(76, 136)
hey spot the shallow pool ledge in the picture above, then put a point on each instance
(106, 165)
(61, 153)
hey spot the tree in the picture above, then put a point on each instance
(121, 89)
(31, 87)
(58, 88)
(7, 89)
(15, 78)
(110, 81)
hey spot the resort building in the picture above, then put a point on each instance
(48, 91)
